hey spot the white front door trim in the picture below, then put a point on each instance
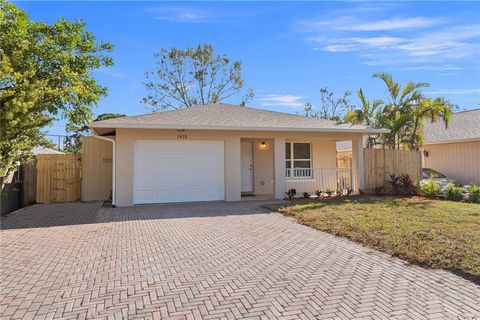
(247, 166)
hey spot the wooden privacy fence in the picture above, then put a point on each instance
(344, 159)
(380, 163)
(96, 169)
(58, 177)
(28, 176)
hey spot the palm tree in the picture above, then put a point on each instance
(404, 114)
(367, 115)
(427, 109)
(396, 114)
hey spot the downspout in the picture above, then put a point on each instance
(114, 202)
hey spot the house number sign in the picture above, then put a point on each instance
(181, 134)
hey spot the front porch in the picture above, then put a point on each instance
(322, 180)
(272, 166)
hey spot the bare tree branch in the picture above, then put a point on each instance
(193, 76)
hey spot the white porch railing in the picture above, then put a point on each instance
(313, 179)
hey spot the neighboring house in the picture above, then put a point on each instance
(44, 150)
(222, 152)
(454, 150)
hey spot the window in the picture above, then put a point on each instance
(298, 159)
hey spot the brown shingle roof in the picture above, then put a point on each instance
(462, 126)
(229, 117)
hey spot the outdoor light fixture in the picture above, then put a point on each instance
(425, 153)
(263, 145)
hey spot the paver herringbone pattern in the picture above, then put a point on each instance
(209, 261)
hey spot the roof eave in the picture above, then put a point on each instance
(229, 128)
(451, 141)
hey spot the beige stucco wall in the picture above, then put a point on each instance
(96, 169)
(459, 161)
(324, 155)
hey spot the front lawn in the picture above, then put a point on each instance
(433, 233)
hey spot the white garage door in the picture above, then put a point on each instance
(178, 171)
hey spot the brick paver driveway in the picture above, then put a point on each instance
(210, 261)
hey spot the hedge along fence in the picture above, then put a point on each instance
(381, 163)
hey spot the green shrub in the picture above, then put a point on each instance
(291, 193)
(407, 185)
(402, 184)
(453, 192)
(394, 184)
(429, 188)
(473, 193)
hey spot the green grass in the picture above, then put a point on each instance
(432, 233)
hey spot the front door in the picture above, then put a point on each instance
(247, 166)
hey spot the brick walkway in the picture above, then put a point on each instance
(210, 261)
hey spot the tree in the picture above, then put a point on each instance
(73, 142)
(396, 114)
(45, 72)
(427, 110)
(193, 77)
(331, 107)
(404, 113)
(367, 114)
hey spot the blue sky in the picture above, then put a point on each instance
(289, 50)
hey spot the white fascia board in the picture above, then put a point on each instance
(156, 126)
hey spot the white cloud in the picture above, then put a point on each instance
(181, 14)
(393, 40)
(356, 44)
(454, 91)
(286, 100)
(392, 24)
(431, 68)
(449, 74)
(454, 43)
(350, 23)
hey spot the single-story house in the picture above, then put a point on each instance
(225, 152)
(44, 150)
(454, 150)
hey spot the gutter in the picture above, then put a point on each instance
(114, 198)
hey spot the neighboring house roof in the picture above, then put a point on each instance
(229, 117)
(344, 145)
(43, 150)
(462, 126)
(347, 144)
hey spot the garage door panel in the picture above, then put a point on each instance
(146, 181)
(177, 171)
(147, 147)
(144, 162)
(144, 196)
(179, 163)
(162, 163)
